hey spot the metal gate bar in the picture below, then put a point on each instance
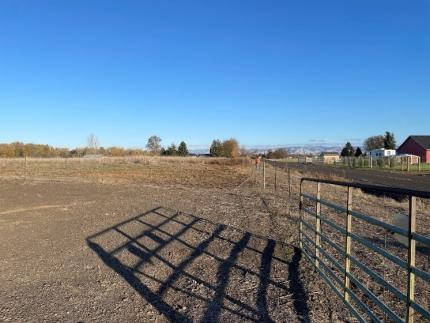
(316, 253)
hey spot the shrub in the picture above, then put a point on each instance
(277, 154)
(230, 148)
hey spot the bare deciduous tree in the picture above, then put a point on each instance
(374, 142)
(154, 144)
(93, 143)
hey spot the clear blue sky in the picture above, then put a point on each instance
(265, 72)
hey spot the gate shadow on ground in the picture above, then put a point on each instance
(146, 243)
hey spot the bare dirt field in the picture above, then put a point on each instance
(155, 240)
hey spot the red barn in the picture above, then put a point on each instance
(416, 145)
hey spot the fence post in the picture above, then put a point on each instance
(318, 225)
(408, 162)
(276, 185)
(301, 218)
(411, 259)
(289, 184)
(25, 175)
(264, 174)
(348, 226)
(419, 163)
(371, 162)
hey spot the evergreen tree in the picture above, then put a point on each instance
(216, 149)
(389, 140)
(171, 150)
(348, 150)
(358, 152)
(182, 149)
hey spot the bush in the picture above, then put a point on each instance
(277, 154)
(230, 148)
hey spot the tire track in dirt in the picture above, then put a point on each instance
(43, 207)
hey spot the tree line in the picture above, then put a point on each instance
(19, 149)
(387, 141)
(226, 148)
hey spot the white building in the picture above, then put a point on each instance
(382, 152)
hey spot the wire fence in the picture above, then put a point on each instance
(399, 163)
(377, 266)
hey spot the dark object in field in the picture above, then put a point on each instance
(395, 196)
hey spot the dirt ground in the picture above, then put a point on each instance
(154, 241)
(84, 251)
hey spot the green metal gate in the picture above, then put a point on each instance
(359, 299)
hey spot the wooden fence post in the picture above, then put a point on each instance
(318, 225)
(348, 227)
(411, 259)
(419, 163)
(25, 175)
(276, 186)
(264, 174)
(289, 191)
(409, 163)
(289, 184)
(301, 218)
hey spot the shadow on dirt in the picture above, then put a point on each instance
(159, 271)
(296, 287)
(424, 250)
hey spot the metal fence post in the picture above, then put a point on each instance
(318, 225)
(411, 259)
(348, 227)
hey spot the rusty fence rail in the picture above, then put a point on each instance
(324, 261)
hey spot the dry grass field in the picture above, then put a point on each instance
(206, 172)
(168, 239)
